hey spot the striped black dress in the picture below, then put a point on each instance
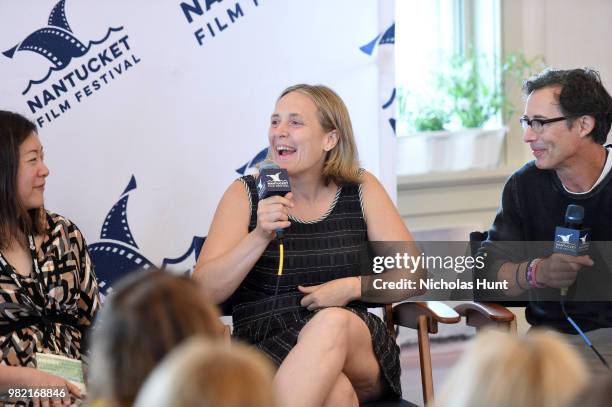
(335, 246)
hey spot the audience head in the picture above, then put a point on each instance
(22, 177)
(505, 370)
(341, 162)
(580, 93)
(147, 315)
(205, 374)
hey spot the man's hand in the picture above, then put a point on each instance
(560, 270)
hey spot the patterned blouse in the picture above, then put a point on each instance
(52, 319)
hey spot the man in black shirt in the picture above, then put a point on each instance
(568, 114)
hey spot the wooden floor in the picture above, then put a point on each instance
(443, 356)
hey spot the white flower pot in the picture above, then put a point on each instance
(443, 151)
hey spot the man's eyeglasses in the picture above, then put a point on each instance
(537, 125)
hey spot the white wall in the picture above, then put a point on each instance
(192, 110)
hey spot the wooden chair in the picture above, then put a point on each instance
(486, 314)
(424, 317)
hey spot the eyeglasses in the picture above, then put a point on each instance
(537, 125)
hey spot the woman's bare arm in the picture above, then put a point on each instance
(230, 251)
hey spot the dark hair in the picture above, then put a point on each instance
(14, 217)
(582, 93)
(148, 314)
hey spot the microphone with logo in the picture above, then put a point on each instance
(272, 180)
(572, 239)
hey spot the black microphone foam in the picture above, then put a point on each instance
(574, 216)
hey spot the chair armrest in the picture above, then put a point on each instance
(408, 314)
(480, 314)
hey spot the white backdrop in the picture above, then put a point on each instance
(152, 94)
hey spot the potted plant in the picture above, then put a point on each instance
(462, 131)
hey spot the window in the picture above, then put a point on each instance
(427, 32)
(436, 41)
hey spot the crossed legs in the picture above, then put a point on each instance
(332, 364)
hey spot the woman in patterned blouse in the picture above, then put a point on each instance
(48, 290)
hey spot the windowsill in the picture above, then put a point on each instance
(453, 179)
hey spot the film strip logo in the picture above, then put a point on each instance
(117, 253)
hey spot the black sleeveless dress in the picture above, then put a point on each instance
(316, 252)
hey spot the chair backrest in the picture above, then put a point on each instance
(486, 314)
(476, 239)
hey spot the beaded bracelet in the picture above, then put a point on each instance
(529, 275)
(532, 269)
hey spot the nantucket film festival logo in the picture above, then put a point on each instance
(116, 253)
(385, 38)
(251, 166)
(75, 71)
(213, 17)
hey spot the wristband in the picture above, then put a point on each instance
(516, 276)
(536, 267)
(532, 269)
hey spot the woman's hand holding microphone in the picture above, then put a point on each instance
(273, 214)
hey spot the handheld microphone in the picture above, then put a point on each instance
(574, 216)
(572, 239)
(272, 180)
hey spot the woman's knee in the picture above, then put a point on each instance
(342, 394)
(332, 324)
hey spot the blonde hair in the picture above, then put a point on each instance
(205, 374)
(504, 370)
(342, 162)
(149, 314)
